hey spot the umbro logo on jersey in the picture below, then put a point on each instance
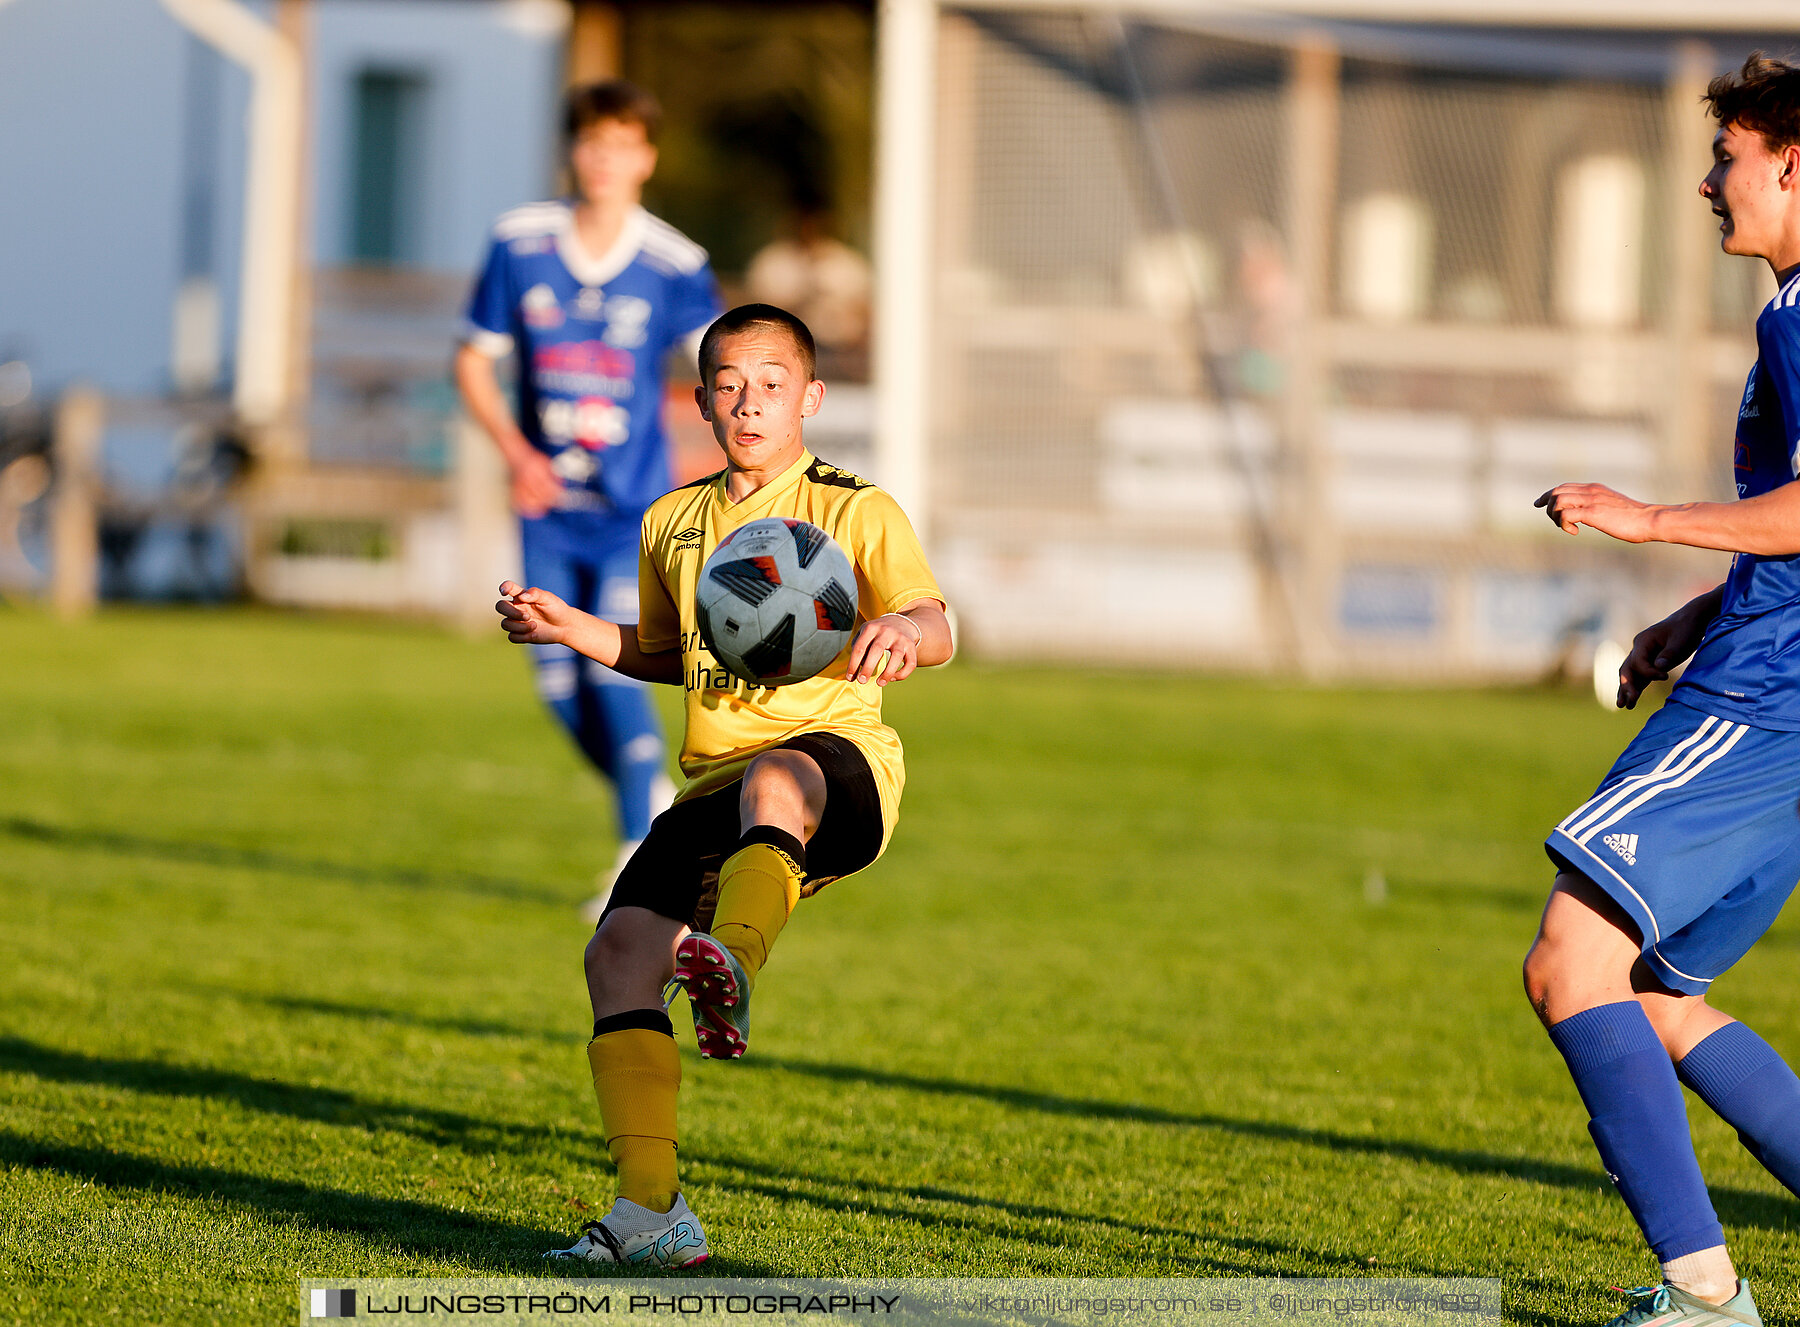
(1623, 844)
(690, 537)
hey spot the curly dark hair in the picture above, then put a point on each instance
(1763, 96)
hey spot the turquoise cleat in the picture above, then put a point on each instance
(1666, 1306)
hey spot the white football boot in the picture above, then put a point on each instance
(631, 1233)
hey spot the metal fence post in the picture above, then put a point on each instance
(483, 527)
(74, 518)
(1312, 157)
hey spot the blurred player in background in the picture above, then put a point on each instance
(1685, 855)
(592, 295)
(787, 789)
(824, 282)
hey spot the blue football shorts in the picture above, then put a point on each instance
(1695, 832)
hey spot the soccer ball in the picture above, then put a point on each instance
(776, 601)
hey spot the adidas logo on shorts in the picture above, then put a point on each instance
(1623, 844)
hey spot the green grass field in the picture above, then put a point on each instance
(290, 986)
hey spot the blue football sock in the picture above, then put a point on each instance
(614, 723)
(1639, 1123)
(623, 737)
(1751, 1088)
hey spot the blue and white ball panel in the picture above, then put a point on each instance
(1695, 832)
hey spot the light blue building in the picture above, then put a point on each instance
(122, 142)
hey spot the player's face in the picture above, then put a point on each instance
(610, 160)
(757, 396)
(1750, 189)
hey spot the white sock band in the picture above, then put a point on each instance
(1706, 1275)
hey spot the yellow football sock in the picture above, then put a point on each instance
(758, 887)
(637, 1075)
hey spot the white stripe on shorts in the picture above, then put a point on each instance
(1677, 971)
(1713, 751)
(1671, 764)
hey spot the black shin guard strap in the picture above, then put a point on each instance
(651, 1020)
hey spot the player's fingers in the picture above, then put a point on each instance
(903, 654)
(1630, 691)
(863, 652)
(1647, 660)
(890, 671)
(880, 645)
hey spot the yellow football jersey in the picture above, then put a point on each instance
(729, 721)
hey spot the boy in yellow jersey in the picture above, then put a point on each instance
(787, 789)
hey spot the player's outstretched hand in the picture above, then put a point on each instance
(533, 484)
(896, 635)
(1604, 509)
(533, 617)
(1657, 651)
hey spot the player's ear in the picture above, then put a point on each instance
(700, 400)
(814, 398)
(1790, 166)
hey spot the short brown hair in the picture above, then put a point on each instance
(757, 315)
(1763, 96)
(615, 99)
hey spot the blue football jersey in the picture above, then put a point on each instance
(591, 333)
(1747, 669)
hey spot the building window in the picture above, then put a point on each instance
(387, 122)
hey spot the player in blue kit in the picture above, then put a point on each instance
(1686, 853)
(592, 295)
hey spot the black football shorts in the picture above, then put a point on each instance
(675, 871)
